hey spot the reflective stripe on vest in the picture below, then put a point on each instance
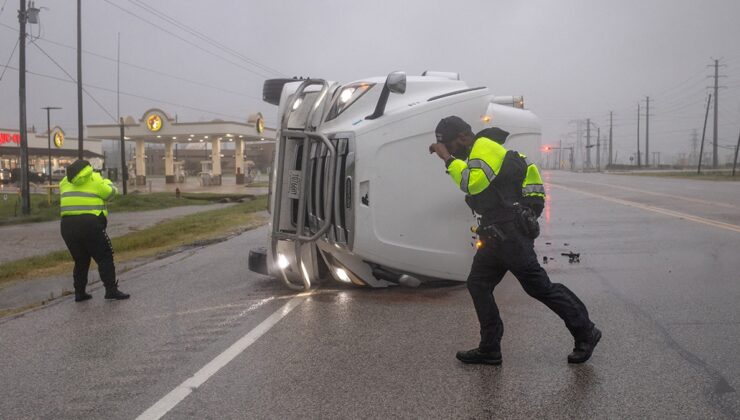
(81, 202)
(465, 180)
(532, 189)
(82, 208)
(113, 192)
(481, 164)
(78, 194)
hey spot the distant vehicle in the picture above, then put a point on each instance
(35, 177)
(58, 174)
(5, 176)
(355, 194)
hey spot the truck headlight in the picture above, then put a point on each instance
(342, 275)
(347, 96)
(282, 262)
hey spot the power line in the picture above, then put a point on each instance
(158, 72)
(677, 88)
(133, 95)
(185, 40)
(73, 80)
(202, 36)
(9, 58)
(142, 68)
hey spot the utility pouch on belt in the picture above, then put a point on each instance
(492, 231)
(526, 219)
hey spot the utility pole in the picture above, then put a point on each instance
(716, 106)
(734, 162)
(598, 149)
(80, 127)
(25, 187)
(588, 142)
(118, 78)
(611, 122)
(124, 169)
(560, 154)
(638, 136)
(48, 133)
(579, 143)
(703, 134)
(579, 133)
(647, 133)
(694, 145)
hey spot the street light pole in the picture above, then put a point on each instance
(48, 133)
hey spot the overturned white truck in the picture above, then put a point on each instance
(355, 194)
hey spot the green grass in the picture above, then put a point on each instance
(163, 237)
(41, 210)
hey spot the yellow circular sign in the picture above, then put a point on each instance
(260, 125)
(58, 139)
(154, 123)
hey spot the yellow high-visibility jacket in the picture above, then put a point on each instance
(86, 193)
(484, 164)
(533, 190)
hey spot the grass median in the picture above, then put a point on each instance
(160, 238)
(41, 210)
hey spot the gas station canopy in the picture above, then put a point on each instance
(156, 126)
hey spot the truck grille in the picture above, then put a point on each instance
(316, 169)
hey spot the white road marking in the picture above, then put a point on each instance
(679, 215)
(169, 401)
(678, 197)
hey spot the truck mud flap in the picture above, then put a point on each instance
(258, 260)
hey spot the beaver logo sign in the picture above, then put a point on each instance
(154, 123)
(58, 139)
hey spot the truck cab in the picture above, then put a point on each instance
(356, 196)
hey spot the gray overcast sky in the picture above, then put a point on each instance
(570, 59)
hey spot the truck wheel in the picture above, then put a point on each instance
(272, 88)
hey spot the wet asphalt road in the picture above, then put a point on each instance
(659, 273)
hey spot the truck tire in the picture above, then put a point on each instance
(272, 88)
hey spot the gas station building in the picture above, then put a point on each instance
(63, 150)
(157, 127)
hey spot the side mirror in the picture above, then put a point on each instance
(272, 89)
(396, 83)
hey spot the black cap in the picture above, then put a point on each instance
(75, 168)
(449, 128)
(494, 133)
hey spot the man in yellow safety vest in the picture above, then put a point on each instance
(507, 193)
(84, 219)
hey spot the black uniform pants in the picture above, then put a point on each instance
(516, 254)
(86, 238)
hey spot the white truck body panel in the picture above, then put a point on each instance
(407, 215)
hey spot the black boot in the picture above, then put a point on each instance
(82, 296)
(116, 295)
(584, 349)
(478, 357)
